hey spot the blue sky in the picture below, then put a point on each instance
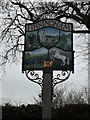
(50, 31)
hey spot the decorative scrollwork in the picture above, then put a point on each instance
(60, 77)
(34, 77)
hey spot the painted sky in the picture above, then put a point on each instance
(50, 31)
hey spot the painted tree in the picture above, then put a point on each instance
(16, 14)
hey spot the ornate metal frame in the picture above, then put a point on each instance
(60, 77)
(34, 77)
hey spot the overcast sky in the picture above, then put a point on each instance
(16, 88)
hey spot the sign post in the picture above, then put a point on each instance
(47, 95)
(48, 47)
(89, 69)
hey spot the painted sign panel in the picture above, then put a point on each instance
(48, 46)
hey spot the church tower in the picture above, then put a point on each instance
(42, 36)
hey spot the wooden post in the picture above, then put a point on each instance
(47, 95)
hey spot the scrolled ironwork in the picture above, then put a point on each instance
(34, 77)
(60, 77)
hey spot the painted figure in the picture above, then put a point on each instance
(65, 60)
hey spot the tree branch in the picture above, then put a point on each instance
(23, 6)
(71, 4)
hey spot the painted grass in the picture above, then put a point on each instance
(48, 45)
(36, 66)
(36, 56)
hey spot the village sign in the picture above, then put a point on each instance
(48, 46)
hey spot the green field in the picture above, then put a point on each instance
(36, 56)
(31, 66)
(48, 45)
(39, 58)
(61, 44)
(63, 41)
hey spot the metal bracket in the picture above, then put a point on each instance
(60, 77)
(34, 77)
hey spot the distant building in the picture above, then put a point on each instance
(42, 36)
(50, 39)
(47, 38)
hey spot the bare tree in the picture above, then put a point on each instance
(16, 14)
(63, 96)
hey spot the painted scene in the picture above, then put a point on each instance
(32, 41)
(48, 49)
(65, 42)
(35, 59)
(61, 59)
(48, 36)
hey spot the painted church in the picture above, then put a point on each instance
(47, 38)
